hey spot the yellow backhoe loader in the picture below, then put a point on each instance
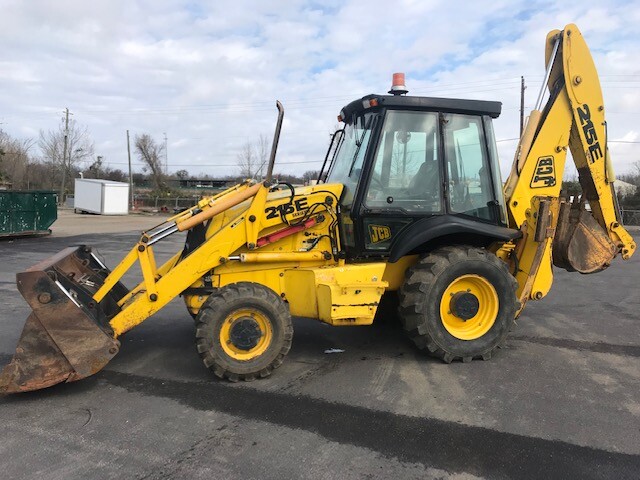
(409, 199)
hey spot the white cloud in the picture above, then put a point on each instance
(208, 73)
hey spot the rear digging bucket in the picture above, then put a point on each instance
(580, 243)
(67, 336)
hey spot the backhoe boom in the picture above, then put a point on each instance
(573, 118)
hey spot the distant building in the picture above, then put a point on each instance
(200, 183)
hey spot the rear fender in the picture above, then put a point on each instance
(430, 229)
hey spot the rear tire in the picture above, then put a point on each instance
(458, 302)
(243, 331)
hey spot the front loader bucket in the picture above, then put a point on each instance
(581, 244)
(67, 336)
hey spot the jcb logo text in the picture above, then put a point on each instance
(545, 174)
(379, 233)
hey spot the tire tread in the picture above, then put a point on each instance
(209, 314)
(418, 281)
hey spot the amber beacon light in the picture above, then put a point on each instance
(397, 84)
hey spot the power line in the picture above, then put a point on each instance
(240, 107)
(506, 81)
(216, 164)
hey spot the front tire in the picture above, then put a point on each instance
(243, 331)
(458, 302)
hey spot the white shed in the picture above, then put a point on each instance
(624, 188)
(104, 197)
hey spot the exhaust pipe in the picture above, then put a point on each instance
(274, 146)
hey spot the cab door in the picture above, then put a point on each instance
(472, 172)
(405, 180)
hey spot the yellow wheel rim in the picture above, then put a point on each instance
(246, 334)
(487, 307)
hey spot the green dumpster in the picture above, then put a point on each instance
(27, 212)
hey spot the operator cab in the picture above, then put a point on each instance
(417, 168)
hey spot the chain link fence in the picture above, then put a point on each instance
(177, 204)
(165, 204)
(630, 217)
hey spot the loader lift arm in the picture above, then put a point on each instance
(552, 228)
(80, 308)
(161, 285)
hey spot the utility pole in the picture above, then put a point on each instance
(166, 156)
(64, 156)
(130, 174)
(522, 89)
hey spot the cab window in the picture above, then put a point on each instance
(349, 159)
(468, 169)
(406, 174)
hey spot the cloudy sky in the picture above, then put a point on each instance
(207, 74)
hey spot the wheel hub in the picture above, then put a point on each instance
(245, 334)
(464, 305)
(469, 307)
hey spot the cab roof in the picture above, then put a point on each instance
(434, 104)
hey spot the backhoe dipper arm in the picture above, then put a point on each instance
(574, 118)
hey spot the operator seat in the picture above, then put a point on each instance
(426, 182)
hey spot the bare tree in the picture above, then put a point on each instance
(310, 175)
(95, 169)
(116, 175)
(247, 161)
(20, 162)
(252, 159)
(101, 169)
(15, 160)
(4, 146)
(79, 147)
(182, 174)
(262, 149)
(42, 175)
(151, 154)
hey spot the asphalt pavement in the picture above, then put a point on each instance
(560, 400)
